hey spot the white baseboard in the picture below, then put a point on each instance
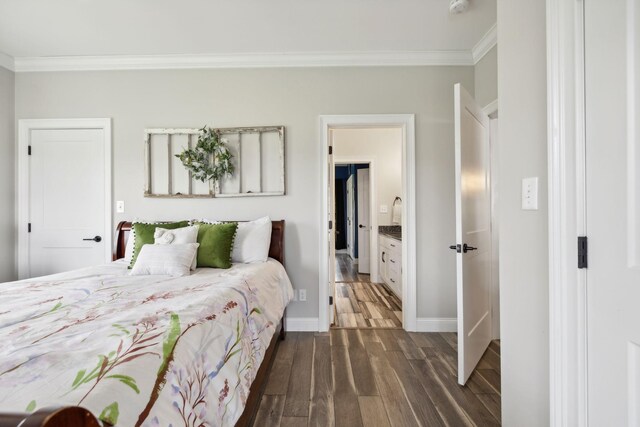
(301, 324)
(424, 324)
(436, 324)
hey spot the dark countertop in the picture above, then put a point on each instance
(392, 231)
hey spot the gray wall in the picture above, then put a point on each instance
(524, 283)
(7, 171)
(291, 97)
(486, 78)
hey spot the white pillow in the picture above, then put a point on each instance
(172, 260)
(252, 241)
(128, 251)
(177, 236)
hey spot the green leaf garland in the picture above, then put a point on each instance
(210, 159)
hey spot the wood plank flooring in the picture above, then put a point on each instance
(347, 271)
(366, 305)
(360, 303)
(378, 377)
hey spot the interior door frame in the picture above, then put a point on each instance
(568, 375)
(406, 122)
(373, 202)
(25, 127)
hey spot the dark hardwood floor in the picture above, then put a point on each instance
(360, 303)
(378, 377)
(367, 305)
(347, 270)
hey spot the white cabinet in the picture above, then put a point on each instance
(390, 262)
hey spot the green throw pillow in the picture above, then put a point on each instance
(216, 243)
(143, 235)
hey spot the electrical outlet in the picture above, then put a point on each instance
(302, 294)
(384, 209)
(120, 206)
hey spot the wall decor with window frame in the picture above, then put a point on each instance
(258, 160)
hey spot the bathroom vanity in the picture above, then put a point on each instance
(390, 257)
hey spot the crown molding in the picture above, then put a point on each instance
(486, 43)
(255, 60)
(7, 61)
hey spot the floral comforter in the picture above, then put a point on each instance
(139, 350)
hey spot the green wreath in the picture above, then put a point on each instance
(210, 159)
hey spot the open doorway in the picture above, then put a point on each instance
(363, 299)
(352, 198)
(370, 242)
(492, 111)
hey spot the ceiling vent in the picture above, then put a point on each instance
(458, 6)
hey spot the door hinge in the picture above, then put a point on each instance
(330, 149)
(29, 150)
(330, 225)
(29, 228)
(583, 252)
(330, 300)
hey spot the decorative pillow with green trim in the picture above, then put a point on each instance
(143, 234)
(216, 243)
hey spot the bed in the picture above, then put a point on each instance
(141, 350)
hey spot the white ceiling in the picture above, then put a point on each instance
(45, 28)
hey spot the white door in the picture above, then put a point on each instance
(612, 93)
(67, 212)
(364, 228)
(351, 234)
(473, 231)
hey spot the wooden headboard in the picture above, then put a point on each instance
(276, 248)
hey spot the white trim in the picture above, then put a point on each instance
(436, 324)
(566, 169)
(633, 255)
(486, 43)
(373, 202)
(407, 123)
(7, 61)
(301, 324)
(248, 60)
(491, 108)
(25, 127)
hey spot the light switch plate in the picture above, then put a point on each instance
(530, 194)
(384, 209)
(120, 206)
